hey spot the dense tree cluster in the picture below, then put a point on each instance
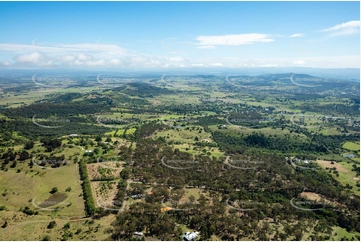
(87, 191)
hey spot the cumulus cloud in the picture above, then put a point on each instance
(296, 35)
(84, 54)
(113, 56)
(65, 58)
(348, 28)
(269, 65)
(236, 39)
(216, 64)
(298, 62)
(84, 57)
(5, 64)
(33, 59)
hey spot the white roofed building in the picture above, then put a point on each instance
(191, 235)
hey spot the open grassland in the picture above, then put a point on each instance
(351, 146)
(195, 192)
(332, 157)
(183, 135)
(121, 132)
(120, 116)
(15, 100)
(35, 228)
(235, 129)
(356, 159)
(339, 233)
(20, 188)
(179, 99)
(195, 150)
(346, 175)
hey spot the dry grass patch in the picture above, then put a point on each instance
(108, 169)
(325, 163)
(104, 192)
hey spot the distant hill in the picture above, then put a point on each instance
(142, 89)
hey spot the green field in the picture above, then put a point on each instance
(351, 146)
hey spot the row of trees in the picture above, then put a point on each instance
(87, 191)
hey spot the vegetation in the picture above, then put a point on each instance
(268, 161)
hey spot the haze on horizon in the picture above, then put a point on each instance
(179, 35)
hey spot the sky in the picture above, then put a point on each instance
(179, 35)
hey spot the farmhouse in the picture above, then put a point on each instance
(190, 235)
(349, 156)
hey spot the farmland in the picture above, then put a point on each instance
(166, 154)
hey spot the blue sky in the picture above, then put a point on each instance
(163, 35)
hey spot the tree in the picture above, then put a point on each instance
(46, 238)
(5, 224)
(29, 145)
(24, 155)
(298, 235)
(96, 150)
(51, 225)
(66, 226)
(54, 190)
(283, 236)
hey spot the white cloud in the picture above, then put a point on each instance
(5, 64)
(298, 62)
(351, 27)
(65, 48)
(83, 57)
(65, 58)
(269, 65)
(198, 65)
(216, 64)
(78, 63)
(95, 63)
(236, 39)
(296, 35)
(32, 58)
(112, 56)
(114, 62)
(176, 58)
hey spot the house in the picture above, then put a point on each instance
(73, 135)
(190, 235)
(349, 156)
(138, 233)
